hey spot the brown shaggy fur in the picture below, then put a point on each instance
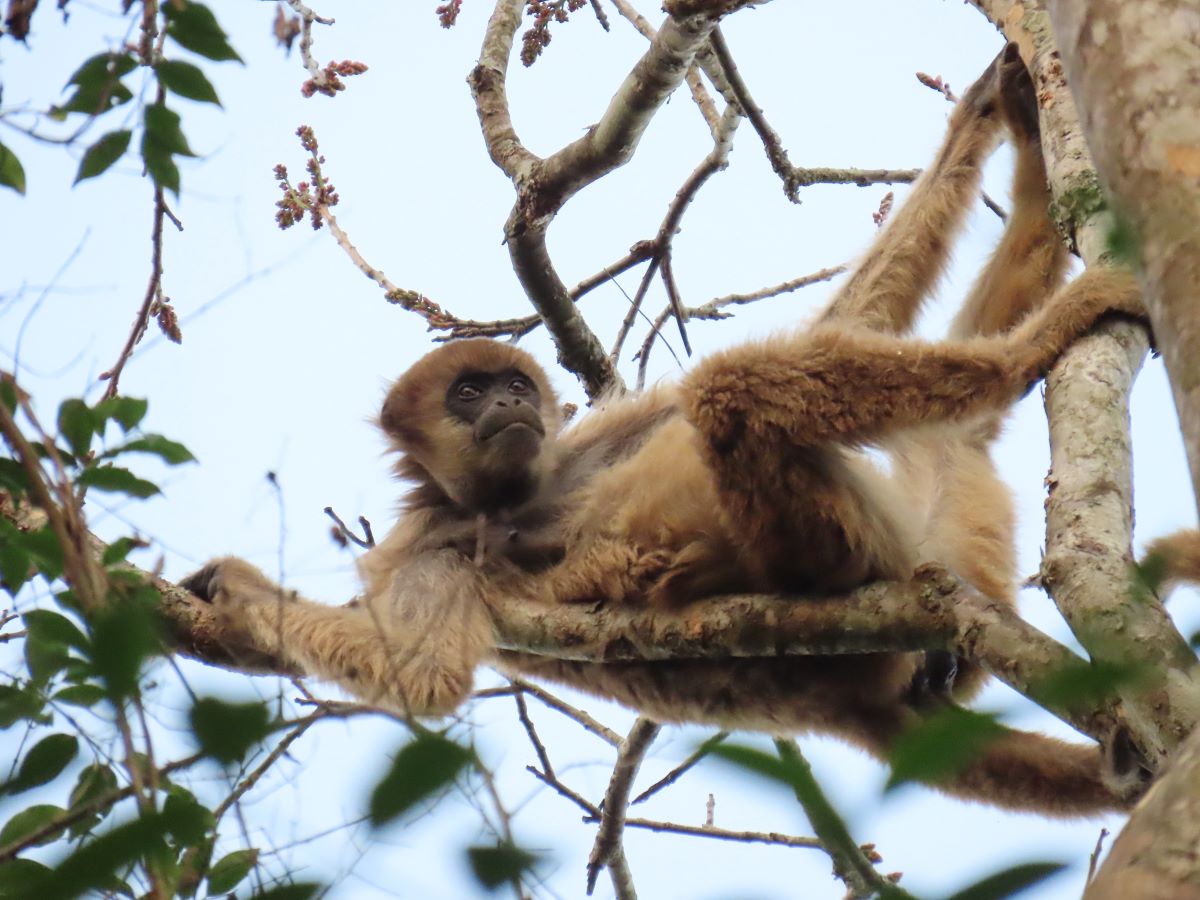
(746, 476)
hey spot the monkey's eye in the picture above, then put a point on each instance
(518, 386)
(468, 391)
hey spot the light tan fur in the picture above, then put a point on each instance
(1179, 556)
(748, 475)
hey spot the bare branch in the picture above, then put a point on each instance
(543, 186)
(680, 770)
(153, 300)
(714, 161)
(606, 851)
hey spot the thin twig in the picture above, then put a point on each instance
(153, 295)
(714, 161)
(607, 851)
(273, 757)
(1094, 859)
(538, 747)
(367, 541)
(680, 770)
(96, 805)
(578, 715)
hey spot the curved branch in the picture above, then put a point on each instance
(544, 185)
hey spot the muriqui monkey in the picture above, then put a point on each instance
(745, 476)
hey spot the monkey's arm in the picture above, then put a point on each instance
(833, 384)
(412, 646)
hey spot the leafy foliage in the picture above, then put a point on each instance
(424, 766)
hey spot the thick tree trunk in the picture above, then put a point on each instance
(1134, 68)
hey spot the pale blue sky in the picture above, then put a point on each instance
(287, 349)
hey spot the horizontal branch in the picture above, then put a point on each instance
(932, 611)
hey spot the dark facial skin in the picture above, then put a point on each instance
(504, 412)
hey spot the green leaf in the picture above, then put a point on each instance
(171, 452)
(44, 656)
(124, 636)
(12, 173)
(12, 477)
(16, 567)
(85, 695)
(19, 878)
(194, 27)
(100, 157)
(227, 731)
(1008, 882)
(118, 550)
(29, 820)
(96, 862)
(126, 411)
(423, 766)
(162, 124)
(103, 65)
(1088, 683)
(186, 80)
(52, 626)
(95, 780)
(117, 480)
(161, 167)
(44, 762)
(229, 870)
(19, 705)
(163, 139)
(76, 424)
(496, 866)
(98, 86)
(43, 548)
(1147, 577)
(191, 820)
(942, 745)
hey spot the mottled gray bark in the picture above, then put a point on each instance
(1134, 68)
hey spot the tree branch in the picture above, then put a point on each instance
(1089, 510)
(1140, 119)
(544, 185)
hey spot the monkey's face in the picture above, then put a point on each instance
(478, 419)
(503, 411)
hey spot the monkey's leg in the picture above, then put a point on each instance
(900, 268)
(1029, 263)
(1018, 770)
(414, 649)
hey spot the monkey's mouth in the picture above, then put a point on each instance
(512, 429)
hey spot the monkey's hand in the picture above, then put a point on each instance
(1042, 337)
(248, 607)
